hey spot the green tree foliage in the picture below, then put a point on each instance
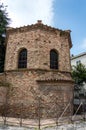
(4, 22)
(79, 74)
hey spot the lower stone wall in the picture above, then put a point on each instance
(28, 98)
(2, 76)
(3, 94)
(35, 111)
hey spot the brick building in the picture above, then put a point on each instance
(37, 65)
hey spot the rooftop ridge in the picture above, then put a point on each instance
(39, 24)
(79, 55)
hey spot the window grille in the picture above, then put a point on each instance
(22, 61)
(53, 59)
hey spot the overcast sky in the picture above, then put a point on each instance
(62, 14)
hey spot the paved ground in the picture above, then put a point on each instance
(77, 123)
(75, 126)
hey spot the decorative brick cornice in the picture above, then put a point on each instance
(56, 80)
(47, 75)
(37, 70)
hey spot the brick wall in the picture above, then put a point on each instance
(38, 79)
(38, 42)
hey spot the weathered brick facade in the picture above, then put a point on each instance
(38, 80)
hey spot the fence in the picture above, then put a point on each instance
(34, 115)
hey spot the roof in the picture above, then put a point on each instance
(79, 55)
(55, 76)
(40, 25)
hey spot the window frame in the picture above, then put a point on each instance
(54, 59)
(22, 58)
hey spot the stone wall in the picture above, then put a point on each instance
(38, 42)
(2, 76)
(37, 86)
(26, 89)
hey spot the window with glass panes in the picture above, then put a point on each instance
(53, 59)
(22, 60)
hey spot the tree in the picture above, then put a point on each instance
(79, 74)
(4, 22)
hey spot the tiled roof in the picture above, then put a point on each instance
(58, 76)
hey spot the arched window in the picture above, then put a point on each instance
(53, 59)
(22, 59)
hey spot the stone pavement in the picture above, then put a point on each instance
(48, 124)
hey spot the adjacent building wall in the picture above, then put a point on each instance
(79, 58)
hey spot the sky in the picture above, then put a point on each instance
(61, 14)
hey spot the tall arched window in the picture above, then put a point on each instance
(22, 59)
(53, 59)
